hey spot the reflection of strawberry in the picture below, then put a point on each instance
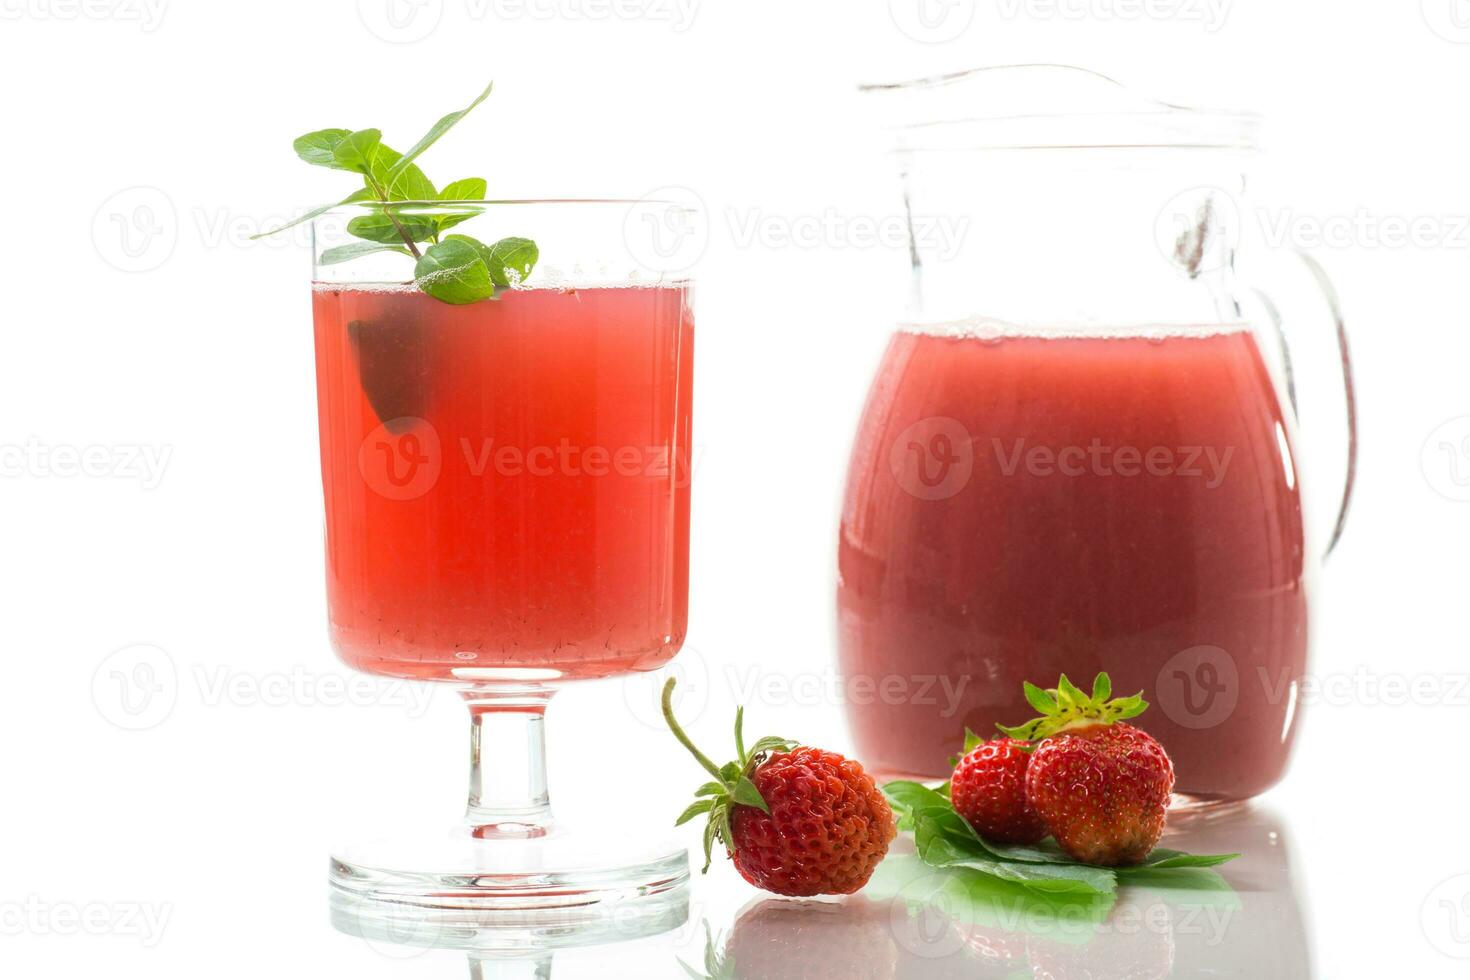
(1137, 943)
(1101, 786)
(988, 789)
(781, 940)
(795, 820)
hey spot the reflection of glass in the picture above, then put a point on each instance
(1077, 455)
(507, 509)
(501, 945)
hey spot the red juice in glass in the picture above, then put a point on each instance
(1021, 506)
(506, 482)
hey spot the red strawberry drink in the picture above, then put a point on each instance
(1025, 505)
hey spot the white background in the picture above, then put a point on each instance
(219, 814)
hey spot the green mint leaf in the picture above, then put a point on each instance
(444, 125)
(354, 197)
(453, 272)
(942, 844)
(511, 261)
(408, 184)
(353, 250)
(356, 150)
(1102, 687)
(1162, 857)
(746, 793)
(318, 148)
(388, 227)
(468, 189)
(907, 798)
(695, 809)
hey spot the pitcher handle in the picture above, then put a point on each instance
(1350, 403)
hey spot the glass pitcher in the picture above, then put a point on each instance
(1080, 451)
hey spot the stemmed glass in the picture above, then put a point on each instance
(507, 510)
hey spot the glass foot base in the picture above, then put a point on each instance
(459, 891)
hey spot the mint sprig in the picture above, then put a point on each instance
(454, 268)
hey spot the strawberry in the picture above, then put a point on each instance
(1100, 785)
(796, 821)
(988, 789)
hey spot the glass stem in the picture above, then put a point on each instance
(508, 797)
(489, 968)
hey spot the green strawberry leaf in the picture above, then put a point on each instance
(1069, 695)
(695, 809)
(1102, 687)
(740, 735)
(1039, 699)
(770, 744)
(710, 789)
(745, 793)
(710, 830)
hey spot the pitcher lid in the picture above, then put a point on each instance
(1042, 106)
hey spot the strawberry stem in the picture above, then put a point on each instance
(668, 708)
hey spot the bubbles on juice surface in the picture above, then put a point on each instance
(993, 330)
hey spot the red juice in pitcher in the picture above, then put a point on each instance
(1020, 506)
(506, 482)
